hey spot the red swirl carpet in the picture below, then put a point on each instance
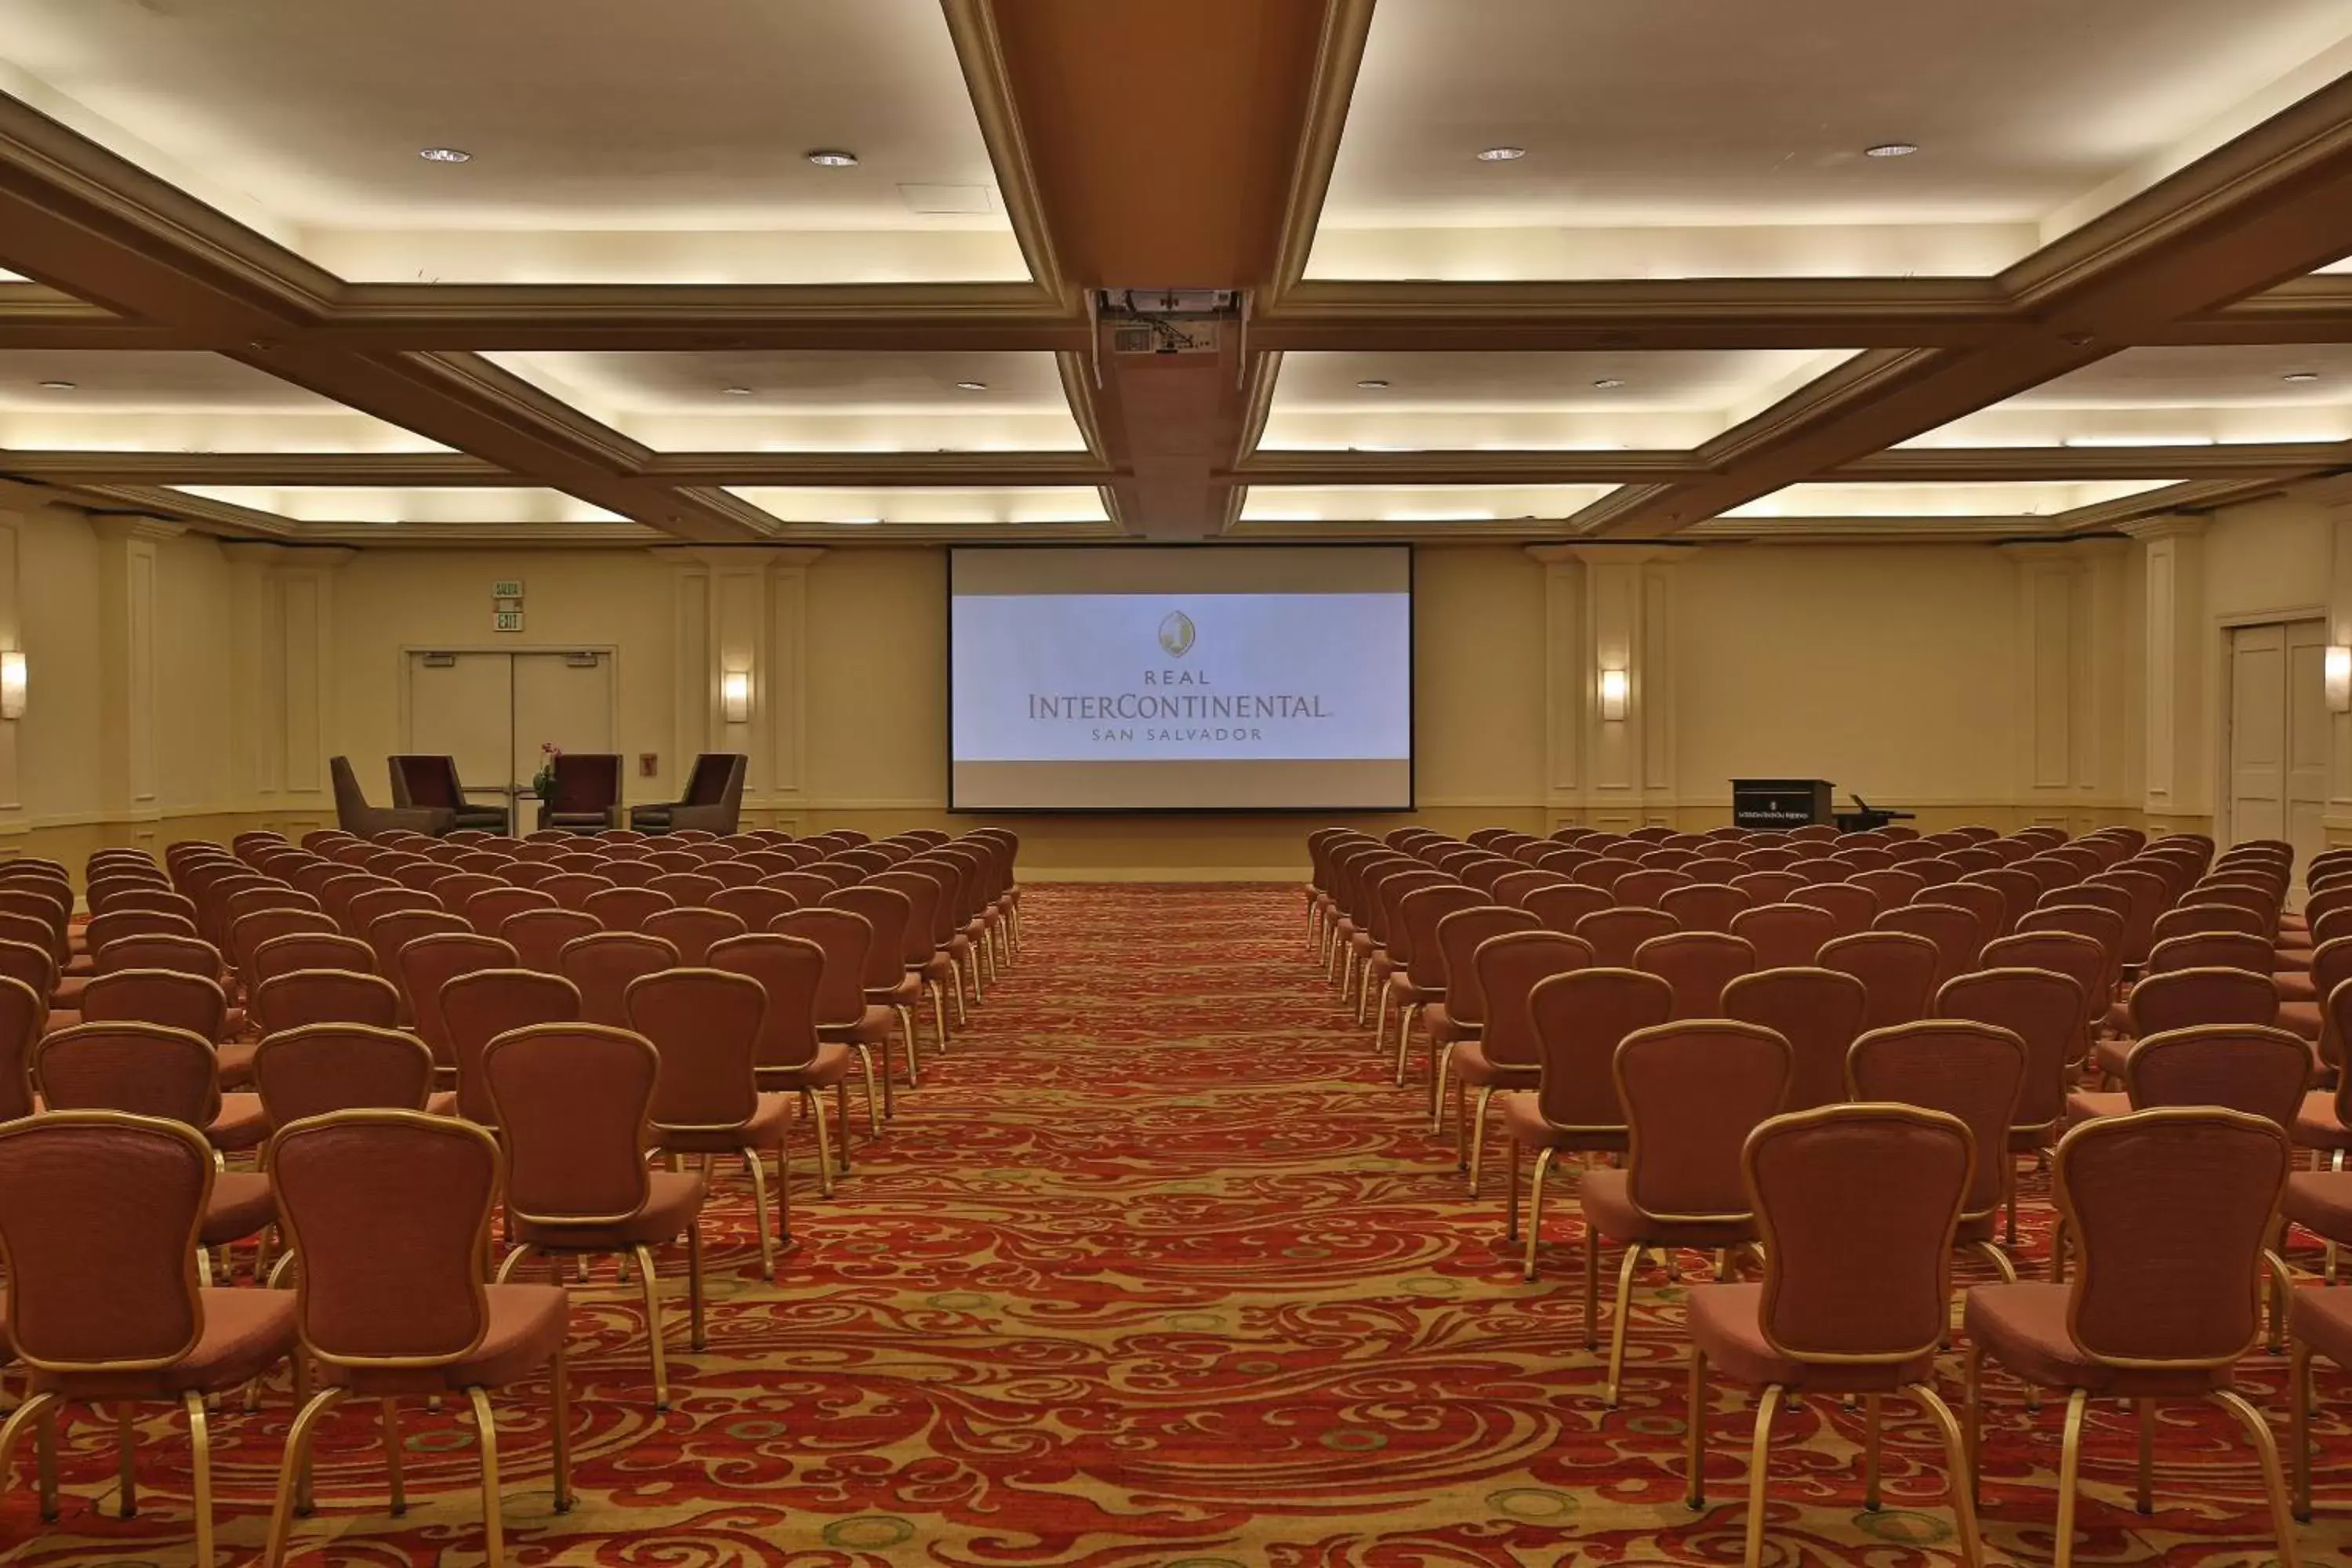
(1158, 1268)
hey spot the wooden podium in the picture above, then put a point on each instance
(1780, 803)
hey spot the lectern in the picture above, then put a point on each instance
(1780, 803)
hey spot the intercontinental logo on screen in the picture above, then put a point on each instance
(1176, 703)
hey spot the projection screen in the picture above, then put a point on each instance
(1206, 677)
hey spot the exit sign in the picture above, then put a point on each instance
(507, 588)
(506, 621)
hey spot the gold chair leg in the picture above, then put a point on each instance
(1511, 1194)
(695, 1336)
(653, 1325)
(1591, 1287)
(907, 1033)
(1957, 1454)
(514, 1261)
(1440, 1067)
(1478, 1133)
(824, 1145)
(293, 1488)
(1379, 1016)
(494, 1533)
(126, 1443)
(559, 1386)
(2070, 1470)
(1617, 1324)
(200, 1474)
(760, 1212)
(873, 1103)
(1535, 1216)
(392, 1458)
(2143, 1488)
(1972, 1402)
(2298, 1426)
(2274, 1483)
(1695, 1433)
(1759, 1466)
(1999, 1260)
(35, 1413)
(1870, 1442)
(1405, 1012)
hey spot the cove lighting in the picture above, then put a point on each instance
(445, 154)
(1891, 149)
(735, 696)
(833, 158)
(1501, 154)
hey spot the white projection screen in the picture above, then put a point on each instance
(1179, 677)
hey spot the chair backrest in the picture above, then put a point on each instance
(1851, 906)
(847, 939)
(2179, 998)
(571, 1102)
(1580, 1018)
(1507, 968)
(321, 1068)
(143, 1069)
(390, 1212)
(1645, 886)
(491, 908)
(757, 905)
(24, 1013)
(585, 781)
(2148, 895)
(1459, 937)
(98, 1217)
(180, 954)
(2171, 1210)
(165, 997)
(1858, 1205)
(428, 964)
(539, 936)
(2091, 966)
(706, 1023)
(922, 893)
(1974, 1071)
(1896, 968)
(604, 965)
(1994, 911)
(626, 909)
(1784, 936)
(1818, 1011)
(2200, 920)
(692, 931)
(478, 1008)
(2263, 1072)
(1698, 964)
(1693, 1091)
(789, 969)
(1418, 913)
(1561, 906)
(2214, 950)
(688, 889)
(2045, 1010)
(888, 912)
(707, 785)
(1705, 907)
(298, 997)
(573, 889)
(1615, 935)
(1958, 934)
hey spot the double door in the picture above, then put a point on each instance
(494, 711)
(2278, 735)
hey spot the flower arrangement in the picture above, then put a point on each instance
(542, 783)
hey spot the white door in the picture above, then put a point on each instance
(2278, 734)
(2307, 738)
(565, 699)
(462, 705)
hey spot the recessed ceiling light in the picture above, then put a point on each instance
(1891, 149)
(833, 158)
(736, 390)
(445, 154)
(1373, 383)
(57, 386)
(1501, 154)
(972, 387)
(1607, 383)
(2301, 375)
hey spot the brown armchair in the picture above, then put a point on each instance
(585, 796)
(433, 782)
(713, 799)
(354, 815)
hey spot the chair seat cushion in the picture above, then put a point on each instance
(2024, 1327)
(2302, 1017)
(770, 1114)
(906, 993)
(940, 969)
(1471, 1066)
(1403, 991)
(873, 1026)
(235, 1063)
(1608, 1200)
(2090, 1104)
(827, 1067)
(2320, 1202)
(526, 1329)
(441, 1102)
(60, 1018)
(1523, 1123)
(2295, 985)
(671, 1205)
(2316, 1126)
(68, 991)
(242, 1203)
(239, 1125)
(246, 1333)
(2323, 1320)
(1444, 1028)
(1726, 1327)
(2109, 1056)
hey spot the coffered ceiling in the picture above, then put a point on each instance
(2108, 279)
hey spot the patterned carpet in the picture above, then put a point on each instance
(1157, 1270)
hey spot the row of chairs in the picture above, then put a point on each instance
(1619, 1028)
(390, 1133)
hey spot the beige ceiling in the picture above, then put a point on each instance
(132, 401)
(2174, 396)
(612, 140)
(1692, 138)
(352, 505)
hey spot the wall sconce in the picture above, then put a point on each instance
(1614, 685)
(12, 684)
(2339, 679)
(735, 696)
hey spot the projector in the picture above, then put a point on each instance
(1166, 321)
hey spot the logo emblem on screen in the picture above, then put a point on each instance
(1176, 634)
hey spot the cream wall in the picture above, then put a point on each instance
(184, 686)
